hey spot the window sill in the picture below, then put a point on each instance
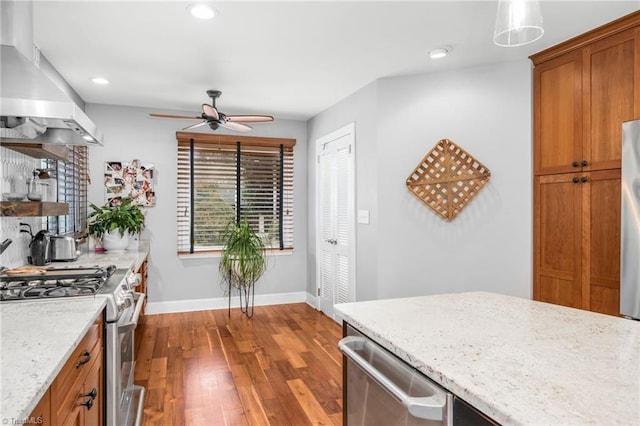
(217, 254)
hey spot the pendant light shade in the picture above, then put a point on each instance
(518, 22)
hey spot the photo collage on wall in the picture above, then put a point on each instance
(129, 180)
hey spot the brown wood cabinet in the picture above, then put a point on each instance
(577, 240)
(584, 89)
(581, 98)
(41, 415)
(76, 395)
(144, 276)
(142, 288)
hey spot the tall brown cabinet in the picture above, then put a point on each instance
(584, 89)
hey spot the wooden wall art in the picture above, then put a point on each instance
(447, 179)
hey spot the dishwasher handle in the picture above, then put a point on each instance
(429, 408)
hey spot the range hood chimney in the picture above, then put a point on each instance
(36, 105)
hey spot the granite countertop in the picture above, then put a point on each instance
(519, 361)
(37, 339)
(39, 336)
(122, 260)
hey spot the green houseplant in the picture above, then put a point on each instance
(114, 224)
(242, 263)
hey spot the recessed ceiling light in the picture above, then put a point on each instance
(100, 80)
(201, 11)
(87, 138)
(439, 52)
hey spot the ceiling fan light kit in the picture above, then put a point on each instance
(518, 22)
(215, 119)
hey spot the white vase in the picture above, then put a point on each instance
(114, 242)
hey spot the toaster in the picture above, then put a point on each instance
(62, 248)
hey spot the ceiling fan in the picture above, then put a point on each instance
(214, 118)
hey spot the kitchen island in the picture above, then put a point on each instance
(518, 361)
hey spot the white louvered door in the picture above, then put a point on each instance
(336, 224)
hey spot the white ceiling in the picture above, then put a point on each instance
(291, 59)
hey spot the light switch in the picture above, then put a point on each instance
(363, 216)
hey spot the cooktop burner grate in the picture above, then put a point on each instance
(64, 282)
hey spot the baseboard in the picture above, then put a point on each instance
(223, 303)
(311, 301)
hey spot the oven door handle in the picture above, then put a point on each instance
(131, 325)
(431, 407)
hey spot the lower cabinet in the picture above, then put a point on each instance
(577, 240)
(41, 415)
(76, 396)
(144, 275)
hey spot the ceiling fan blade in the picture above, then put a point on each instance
(210, 111)
(238, 127)
(193, 126)
(180, 117)
(249, 118)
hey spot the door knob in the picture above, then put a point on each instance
(585, 163)
(575, 164)
(576, 180)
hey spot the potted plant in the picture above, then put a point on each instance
(242, 263)
(114, 224)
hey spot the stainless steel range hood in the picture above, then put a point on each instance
(35, 106)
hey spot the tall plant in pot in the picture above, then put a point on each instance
(114, 224)
(242, 263)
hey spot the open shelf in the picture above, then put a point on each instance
(33, 208)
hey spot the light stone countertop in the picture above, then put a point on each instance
(38, 337)
(519, 361)
(122, 260)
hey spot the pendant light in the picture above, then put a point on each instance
(518, 22)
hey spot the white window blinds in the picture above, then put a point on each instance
(227, 178)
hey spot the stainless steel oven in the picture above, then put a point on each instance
(124, 400)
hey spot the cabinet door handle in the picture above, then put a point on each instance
(88, 403)
(92, 394)
(585, 163)
(584, 179)
(86, 357)
(576, 180)
(575, 164)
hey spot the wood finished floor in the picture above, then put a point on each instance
(280, 368)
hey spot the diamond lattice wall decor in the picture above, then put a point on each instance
(447, 179)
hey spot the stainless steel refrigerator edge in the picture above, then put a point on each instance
(630, 229)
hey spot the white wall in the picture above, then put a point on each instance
(130, 134)
(487, 111)
(361, 109)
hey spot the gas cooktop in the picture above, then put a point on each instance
(53, 282)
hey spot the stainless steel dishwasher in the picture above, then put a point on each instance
(381, 389)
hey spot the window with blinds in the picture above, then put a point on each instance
(225, 178)
(72, 179)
